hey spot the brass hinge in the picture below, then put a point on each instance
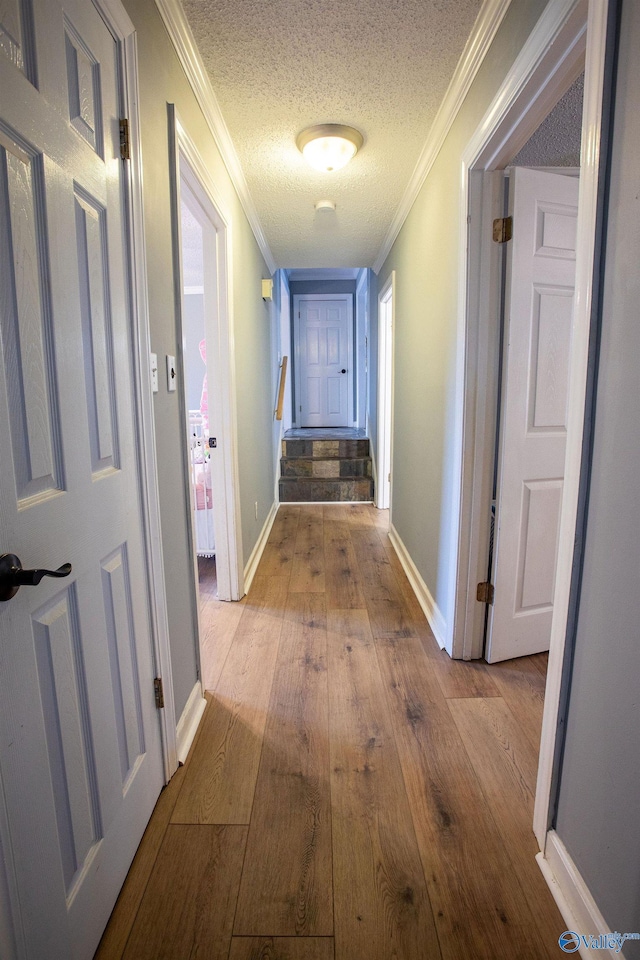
(159, 692)
(503, 229)
(125, 139)
(485, 592)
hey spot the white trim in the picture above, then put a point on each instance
(552, 55)
(561, 171)
(348, 298)
(256, 554)
(189, 721)
(431, 610)
(386, 342)
(482, 347)
(222, 395)
(185, 46)
(362, 326)
(572, 895)
(484, 30)
(121, 26)
(587, 212)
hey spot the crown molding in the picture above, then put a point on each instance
(484, 30)
(185, 46)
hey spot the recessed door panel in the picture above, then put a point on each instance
(16, 36)
(538, 544)
(28, 347)
(93, 261)
(550, 349)
(72, 764)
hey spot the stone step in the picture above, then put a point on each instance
(297, 448)
(319, 490)
(308, 467)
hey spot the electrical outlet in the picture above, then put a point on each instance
(256, 509)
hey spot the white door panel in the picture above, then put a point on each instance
(80, 752)
(324, 337)
(539, 311)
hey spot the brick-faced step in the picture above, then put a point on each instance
(317, 490)
(325, 449)
(307, 467)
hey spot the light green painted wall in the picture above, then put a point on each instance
(163, 81)
(425, 258)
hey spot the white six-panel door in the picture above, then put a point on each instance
(324, 359)
(80, 753)
(533, 423)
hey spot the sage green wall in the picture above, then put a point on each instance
(163, 81)
(425, 258)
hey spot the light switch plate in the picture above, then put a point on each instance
(154, 372)
(171, 373)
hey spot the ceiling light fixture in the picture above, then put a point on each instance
(329, 146)
(324, 205)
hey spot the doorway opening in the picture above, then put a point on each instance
(385, 394)
(205, 377)
(193, 229)
(568, 37)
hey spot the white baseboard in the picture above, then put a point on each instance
(189, 721)
(573, 898)
(256, 553)
(431, 609)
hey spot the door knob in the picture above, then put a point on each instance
(12, 576)
(343, 371)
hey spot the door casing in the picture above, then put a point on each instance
(568, 32)
(384, 447)
(187, 162)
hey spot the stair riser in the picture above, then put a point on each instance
(325, 449)
(323, 491)
(325, 468)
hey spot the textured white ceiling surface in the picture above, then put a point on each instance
(556, 142)
(277, 67)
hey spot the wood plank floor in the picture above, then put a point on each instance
(352, 794)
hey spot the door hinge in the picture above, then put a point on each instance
(503, 229)
(125, 139)
(485, 592)
(159, 692)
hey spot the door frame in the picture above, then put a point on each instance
(124, 33)
(186, 160)
(567, 31)
(347, 298)
(386, 341)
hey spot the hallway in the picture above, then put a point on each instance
(352, 792)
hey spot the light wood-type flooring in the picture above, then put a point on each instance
(352, 792)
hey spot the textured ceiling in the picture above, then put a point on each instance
(276, 67)
(556, 142)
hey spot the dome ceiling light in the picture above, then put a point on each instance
(329, 146)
